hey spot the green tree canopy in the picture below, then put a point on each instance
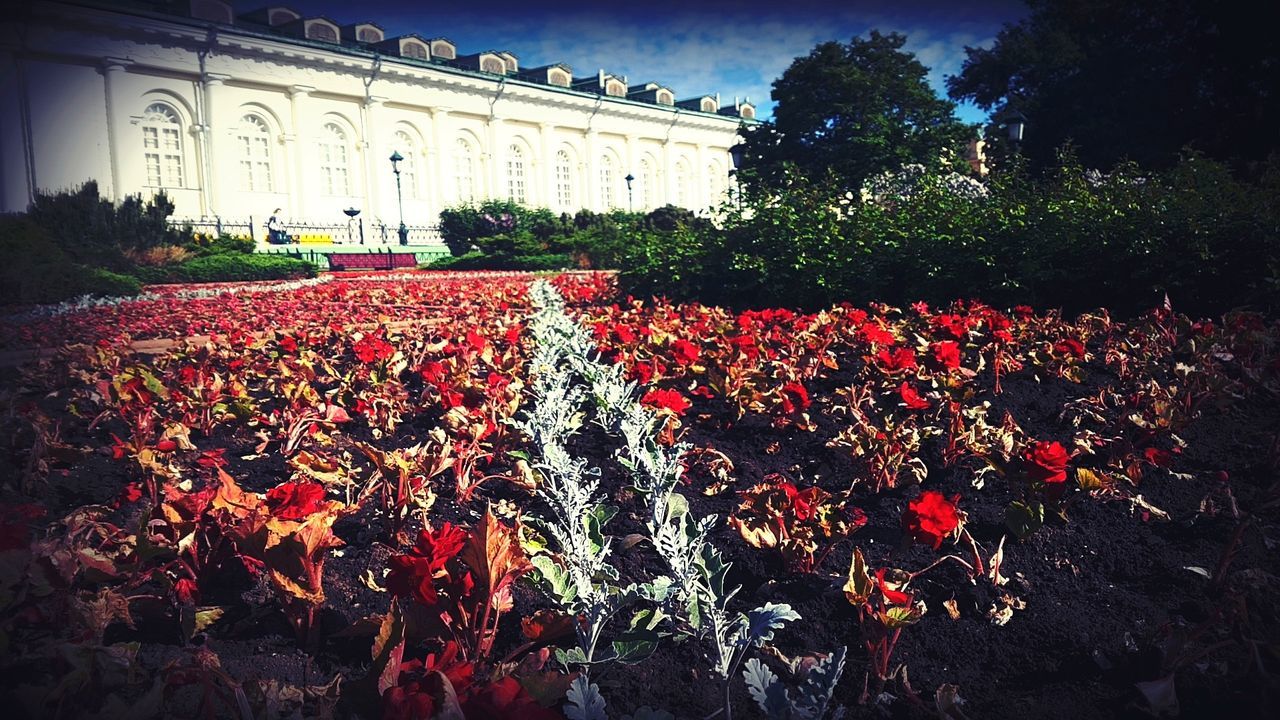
(853, 110)
(1135, 80)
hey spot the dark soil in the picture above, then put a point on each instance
(1105, 588)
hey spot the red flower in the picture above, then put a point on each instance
(371, 349)
(186, 592)
(874, 333)
(1069, 346)
(666, 400)
(945, 354)
(1046, 462)
(295, 500)
(1159, 457)
(131, 493)
(897, 360)
(1023, 312)
(413, 575)
(502, 699)
(166, 446)
(894, 597)
(911, 398)
(288, 344)
(794, 398)
(954, 325)
(625, 334)
(684, 352)
(931, 517)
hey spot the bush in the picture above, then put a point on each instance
(482, 261)
(221, 244)
(233, 267)
(37, 270)
(94, 231)
(1073, 239)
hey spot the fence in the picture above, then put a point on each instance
(355, 232)
(320, 258)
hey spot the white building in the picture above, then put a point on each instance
(234, 116)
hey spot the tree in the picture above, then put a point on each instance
(852, 111)
(1136, 80)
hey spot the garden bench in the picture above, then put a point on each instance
(371, 261)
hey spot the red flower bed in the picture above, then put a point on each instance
(1042, 516)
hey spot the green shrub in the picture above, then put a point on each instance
(1072, 239)
(481, 261)
(221, 244)
(232, 267)
(95, 231)
(37, 270)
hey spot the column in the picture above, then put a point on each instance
(112, 69)
(211, 125)
(439, 167)
(700, 177)
(668, 174)
(591, 183)
(496, 158)
(633, 201)
(374, 198)
(303, 141)
(16, 177)
(548, 196)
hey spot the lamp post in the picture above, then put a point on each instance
(629, 178)
(396, 157)
(736, 154)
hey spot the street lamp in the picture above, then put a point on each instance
(629, 178)
(396, 157)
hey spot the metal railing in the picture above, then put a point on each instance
(355, 232)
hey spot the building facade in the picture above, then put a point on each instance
(234, 116)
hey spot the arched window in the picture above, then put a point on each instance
(414, 50)
(564, 181)
(516, 188)
(464, 171)
(682, 184)
(607, 196)
(162, 146)
(253, 139)
(408, 169)
(715, 188)
(321, 31)
(335, 154)
(647, 184)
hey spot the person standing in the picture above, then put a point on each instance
(275, 230)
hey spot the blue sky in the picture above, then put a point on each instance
(733, 48)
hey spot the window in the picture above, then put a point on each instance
(408, 172)
(334, 161)
(253, 141)
(443, 49)
(644, 193)
(564, 181)
(162, 146)
(464, 171)
(516, 189)
(414, 50)
(607, 195)
(555, 77)
(714, 188)
(665, 98)
(493, 65)
(708, 105)
(682, 184)
(615, 88)
(321, 31)
(748, 112)
(369, 35)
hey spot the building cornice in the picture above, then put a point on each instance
(245, 43)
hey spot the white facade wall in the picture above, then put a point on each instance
(76, 84)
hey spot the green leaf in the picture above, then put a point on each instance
(1024, 519)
